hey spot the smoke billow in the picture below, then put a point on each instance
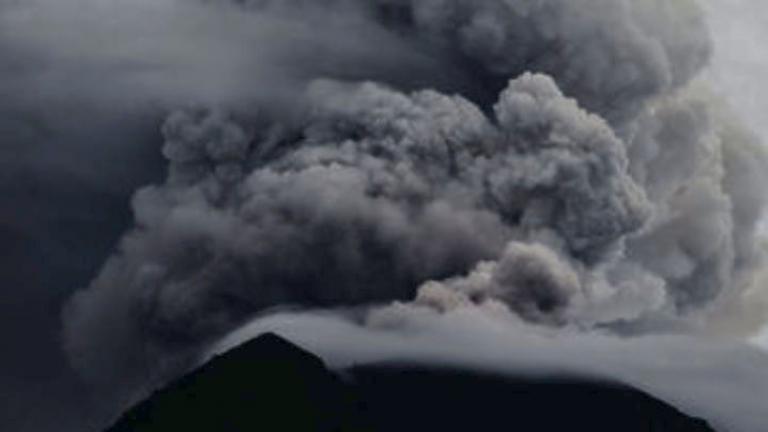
(566, 170)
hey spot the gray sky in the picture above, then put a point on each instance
(740, 28)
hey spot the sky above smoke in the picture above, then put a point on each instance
(588, 170)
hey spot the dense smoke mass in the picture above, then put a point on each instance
(374, 192)
(601, 188)
(553, 166)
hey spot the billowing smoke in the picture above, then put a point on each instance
(565, 169)
(610, 55)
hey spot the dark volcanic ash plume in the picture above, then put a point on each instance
(566, 169)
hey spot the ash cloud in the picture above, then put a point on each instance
(372, 193)
(568, 172)
(610, 55)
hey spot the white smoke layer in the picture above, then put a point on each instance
(568, 173)
(724, 382)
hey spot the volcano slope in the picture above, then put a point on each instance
(269, 383)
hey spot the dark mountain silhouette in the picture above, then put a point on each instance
(269, 384)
